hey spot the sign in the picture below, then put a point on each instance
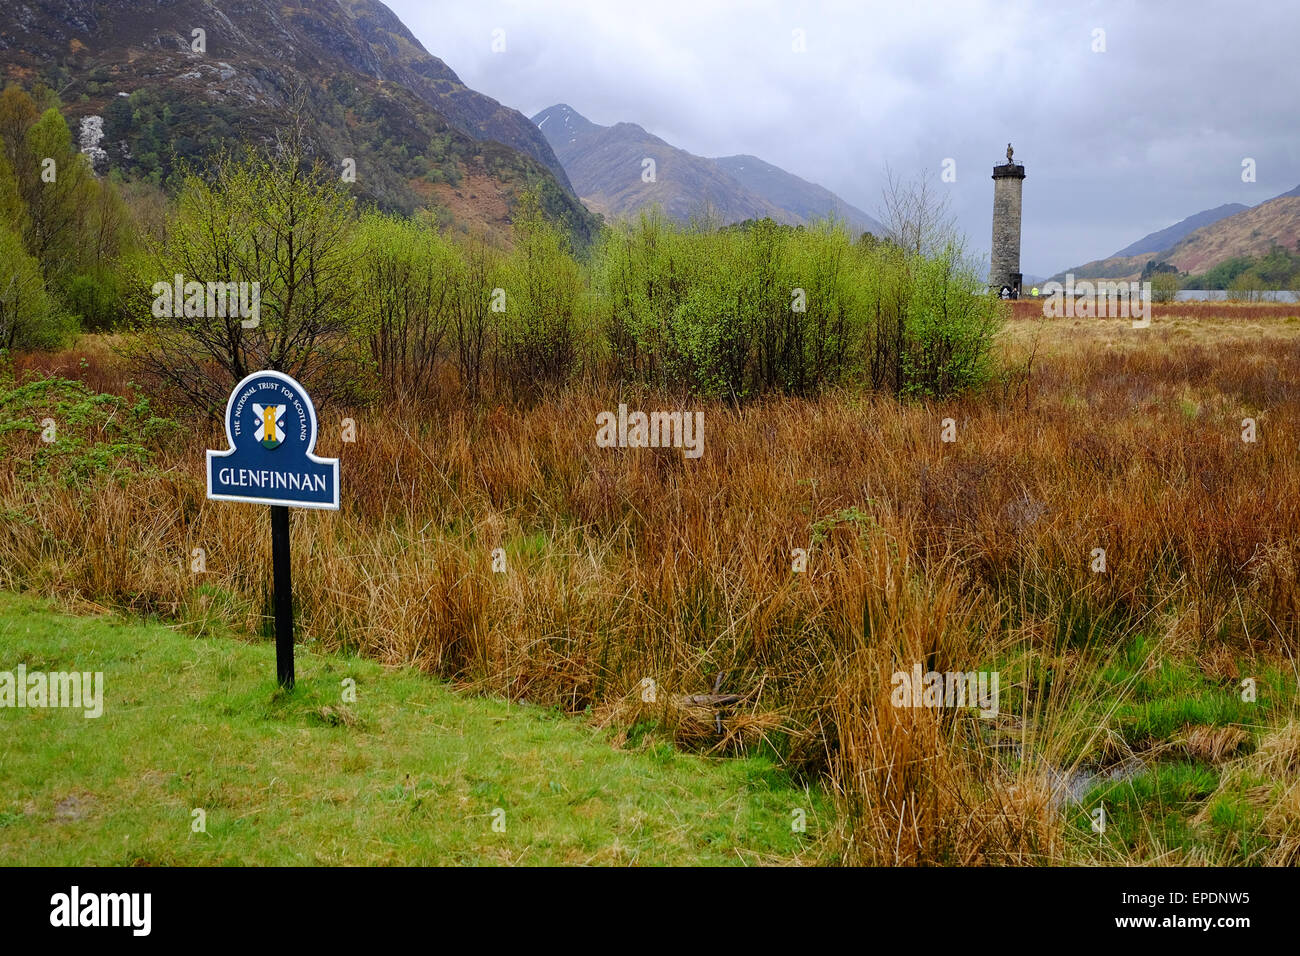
(271, 431)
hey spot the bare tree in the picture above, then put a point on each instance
(916, 217)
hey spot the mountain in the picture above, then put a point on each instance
(401, 59)
(787, 191)
(1251, 231)
(1167, 238)
(348, 71)
(607, 167)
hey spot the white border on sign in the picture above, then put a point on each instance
(311, 444)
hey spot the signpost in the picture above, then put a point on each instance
(271, 431)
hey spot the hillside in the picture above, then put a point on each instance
(401, 59)
(361, 83)
(605, 165)
(798, 196)
(1250, 232)
(1166, 238)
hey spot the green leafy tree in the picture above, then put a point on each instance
(1165, 286)
(540, 338)
(283, 230)
(18, 114)
(1246, 287)
(59, 189)
(29, 316)
(406, 309)
(12, 210)
(75, 226)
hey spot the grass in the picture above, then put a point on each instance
(1178, 734)
(411, 773)
(628, 566)
(1149, 816)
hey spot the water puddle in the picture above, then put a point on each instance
(1071, 786)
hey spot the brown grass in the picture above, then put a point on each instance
(1215, 312)
(625, 565)
(1269, 779)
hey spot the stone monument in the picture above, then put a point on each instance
(1004, 275)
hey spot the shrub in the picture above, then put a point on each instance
(96, 436)
(949, 328)
(641, 273)
(97, 297)
(820, 343)
(29, 316)
(710, 343)
(540, 337)
(478, 273)
(405, 304)
(1165, 286)
(761, 308)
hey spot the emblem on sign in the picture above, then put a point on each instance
(271, 430)
(270, 418)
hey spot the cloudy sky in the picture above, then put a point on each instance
(1128, 116)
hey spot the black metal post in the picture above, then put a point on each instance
(283, 595)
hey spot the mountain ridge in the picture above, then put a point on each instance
(364, 86)
(807, 199)
(608, 167)
(1169, 237)
(1250, 231)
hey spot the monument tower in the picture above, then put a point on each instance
(1005, 267)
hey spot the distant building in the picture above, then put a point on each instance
(1005, 277)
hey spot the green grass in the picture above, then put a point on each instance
(1135, 721)
(411, 773)
(1154, 818)
(1173, 811)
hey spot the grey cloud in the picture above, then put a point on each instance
(1116, 144)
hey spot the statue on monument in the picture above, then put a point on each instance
(1009, 152)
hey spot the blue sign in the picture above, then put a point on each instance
(271, 430)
